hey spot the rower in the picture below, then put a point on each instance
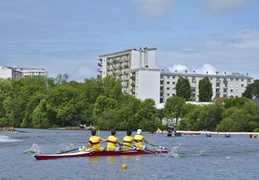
(127, 140)
(139, 139)
(88, 148)
(112, 141)
(96, 141)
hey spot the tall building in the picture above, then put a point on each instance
(136, 69)
(222, 85)
(17, 73)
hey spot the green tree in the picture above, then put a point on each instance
(103, 104)
(127, 112)
(61, 101)
(146, 115)
(205, 90)
(183, 88)
(211, 115)
(252, 90)
(238, 102)
(173, 107)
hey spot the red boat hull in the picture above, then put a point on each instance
(101, 153)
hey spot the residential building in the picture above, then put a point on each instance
(232, 85)
(17, 73)
(136, 69)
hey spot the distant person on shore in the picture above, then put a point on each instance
(96, 141)
(140, 139)
(127, 140)
(112, 142)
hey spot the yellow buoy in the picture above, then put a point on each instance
(124, 166)
(71, 145)
(227, 157)
(61, 139)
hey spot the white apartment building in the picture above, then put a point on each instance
(17, 73)
(222, 85)
(136, 69)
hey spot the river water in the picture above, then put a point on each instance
(191, 157)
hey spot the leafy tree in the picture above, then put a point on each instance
(34, 101)
(103, 104)
(173, 107)
(40, 116)
(127, 112)
(238, 102)
(146, 115)
(61, 101)
(205, 90)
(211, 115)
(183, 88)
(252, 90)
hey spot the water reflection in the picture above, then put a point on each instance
(95, 159)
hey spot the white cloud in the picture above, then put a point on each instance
(218, 6)
(155, 8)
(179, 68)
(237, 52)
(206, 68)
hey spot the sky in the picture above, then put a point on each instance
(67, 36)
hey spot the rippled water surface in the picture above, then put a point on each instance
(191, 157)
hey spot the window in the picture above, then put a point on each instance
(231, 79)
(242, 85)
(231, 90)
(236, 79)
(242, 79)
(168, 76)
(236, 85)
(168, 88)
(173, 82)
(167, 82)
(231, 85)
(168, 94)
(173, 77)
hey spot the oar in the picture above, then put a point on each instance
(161, 147)
(134, 148)
(68, 151)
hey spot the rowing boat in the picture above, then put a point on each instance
(6, 131)
(101, 153)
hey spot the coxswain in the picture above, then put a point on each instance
(96, 141)
(127, 140)
(88, 148)
(139, 139)
(112, 141)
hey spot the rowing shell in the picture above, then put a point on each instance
(101, 153)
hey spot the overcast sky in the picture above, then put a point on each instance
(67, 36)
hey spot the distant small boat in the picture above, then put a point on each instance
(191, 133)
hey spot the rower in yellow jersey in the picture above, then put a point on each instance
(96, 141)
(139, 138)
(127, 140)
(112, 141)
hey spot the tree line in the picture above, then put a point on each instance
(41, 102)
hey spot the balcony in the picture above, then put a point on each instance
(99, 64)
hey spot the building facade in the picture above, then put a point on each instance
(232, 85)
(136, 70)
(17, 73)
